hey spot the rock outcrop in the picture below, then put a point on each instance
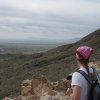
(40, 88)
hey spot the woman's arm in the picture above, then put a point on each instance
(76, 92)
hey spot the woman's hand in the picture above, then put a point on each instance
(69, 91)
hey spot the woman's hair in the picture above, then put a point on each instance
(85, 63)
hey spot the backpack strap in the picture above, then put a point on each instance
(85, 76)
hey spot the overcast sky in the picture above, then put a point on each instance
(48, 19)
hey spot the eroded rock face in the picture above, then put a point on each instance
(41, 85)
(40, 88)
(26, 87)
(61, 86)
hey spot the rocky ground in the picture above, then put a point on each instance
(40, 88)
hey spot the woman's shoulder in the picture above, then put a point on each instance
(76, 74)
(77, 79)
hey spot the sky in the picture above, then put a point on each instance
(49, 20)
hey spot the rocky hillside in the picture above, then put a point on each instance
(54, 64)
(40, 88)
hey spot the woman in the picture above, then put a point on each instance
(80, 87)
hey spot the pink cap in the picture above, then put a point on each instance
(83, 52)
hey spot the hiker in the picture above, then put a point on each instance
(80, 87)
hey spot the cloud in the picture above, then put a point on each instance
(48, 18)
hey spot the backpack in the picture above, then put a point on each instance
(94, 93)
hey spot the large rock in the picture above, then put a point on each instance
(40, 88)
